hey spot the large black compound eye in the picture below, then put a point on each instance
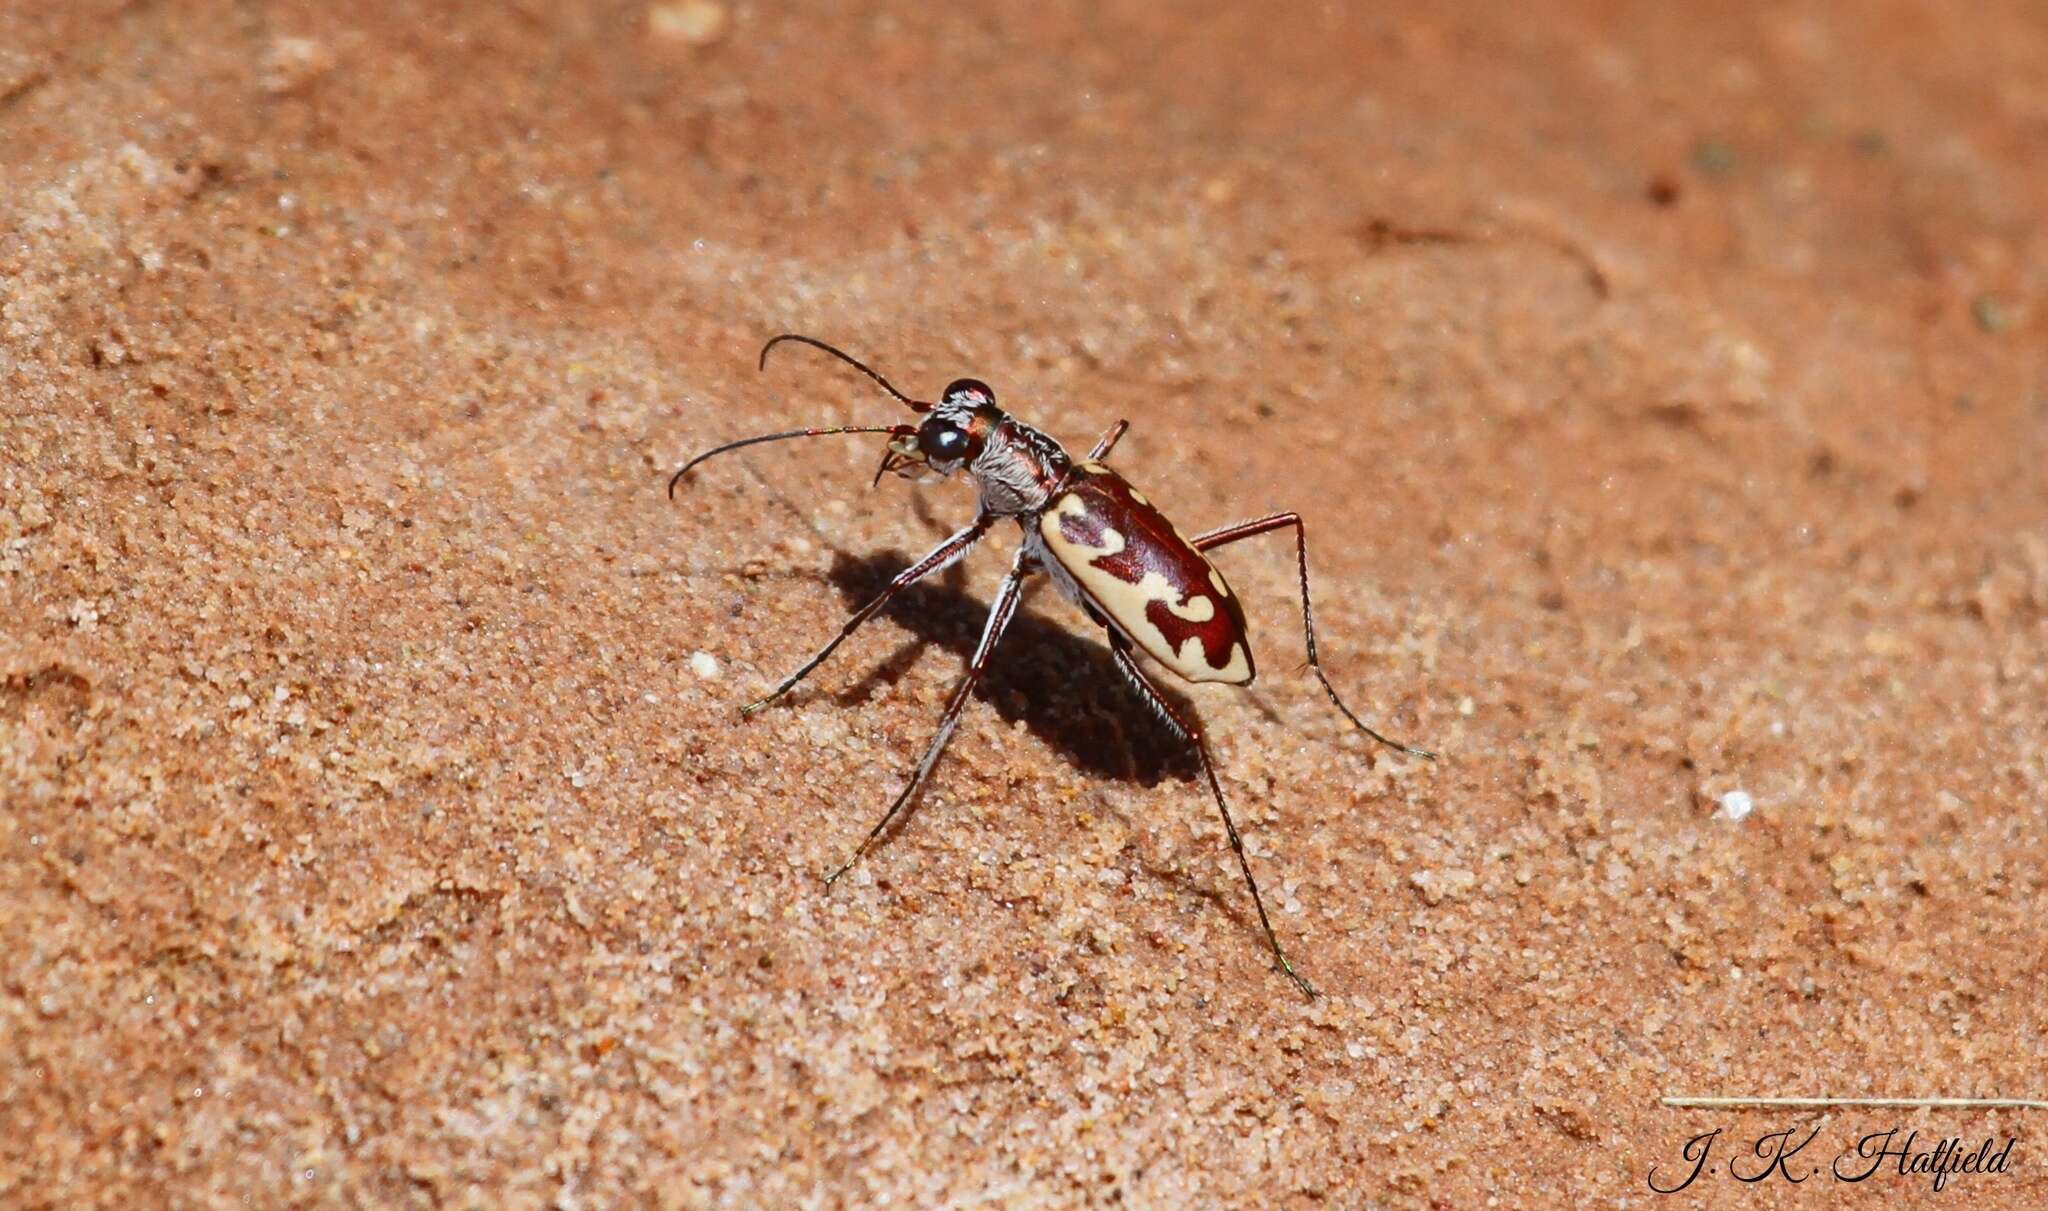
(942, 441)
(969, 391)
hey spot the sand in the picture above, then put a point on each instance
(1664, 387)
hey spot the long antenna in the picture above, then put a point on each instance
(898, 430)
(849, 359)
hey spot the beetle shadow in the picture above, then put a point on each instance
(1062, 686)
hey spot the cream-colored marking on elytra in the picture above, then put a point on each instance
(1192, 655)
(1216, 579)
(1138, 496)
(1095, 468)
(1125, 602)
(1157, 588)
(1049, 525)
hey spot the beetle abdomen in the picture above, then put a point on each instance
(1151, 582)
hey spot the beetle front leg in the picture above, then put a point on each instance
(999, 615)
(1121, 650)
(1249, 529)
(939, 558)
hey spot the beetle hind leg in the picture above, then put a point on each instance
(1121, 650)
(1250, 529)
(1152, 698)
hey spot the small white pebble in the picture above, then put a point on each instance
(696, 22)
(1734, 806)
(290, 64)
(704, 664)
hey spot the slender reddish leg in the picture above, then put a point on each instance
(1109, 441)
(940, 557)
(1249, 529)
(999, 615)
(1120, 648)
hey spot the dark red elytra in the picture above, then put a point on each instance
(1155, 586)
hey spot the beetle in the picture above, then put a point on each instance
(1109, 550)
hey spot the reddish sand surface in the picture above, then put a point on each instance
(1664, 386)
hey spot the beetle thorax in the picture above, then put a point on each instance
(1018, 469)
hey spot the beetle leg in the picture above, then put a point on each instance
(940, 557)
(999, 615)
(1149, 692)
(1109, 441)
(1250, 529)
(1121, 650)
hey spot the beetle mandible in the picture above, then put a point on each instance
(1150, 588)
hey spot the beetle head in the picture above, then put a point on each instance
(952, 435)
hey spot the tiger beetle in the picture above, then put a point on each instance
(1150, 588)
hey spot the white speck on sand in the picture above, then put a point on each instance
(1734, 806)
(696, 22)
